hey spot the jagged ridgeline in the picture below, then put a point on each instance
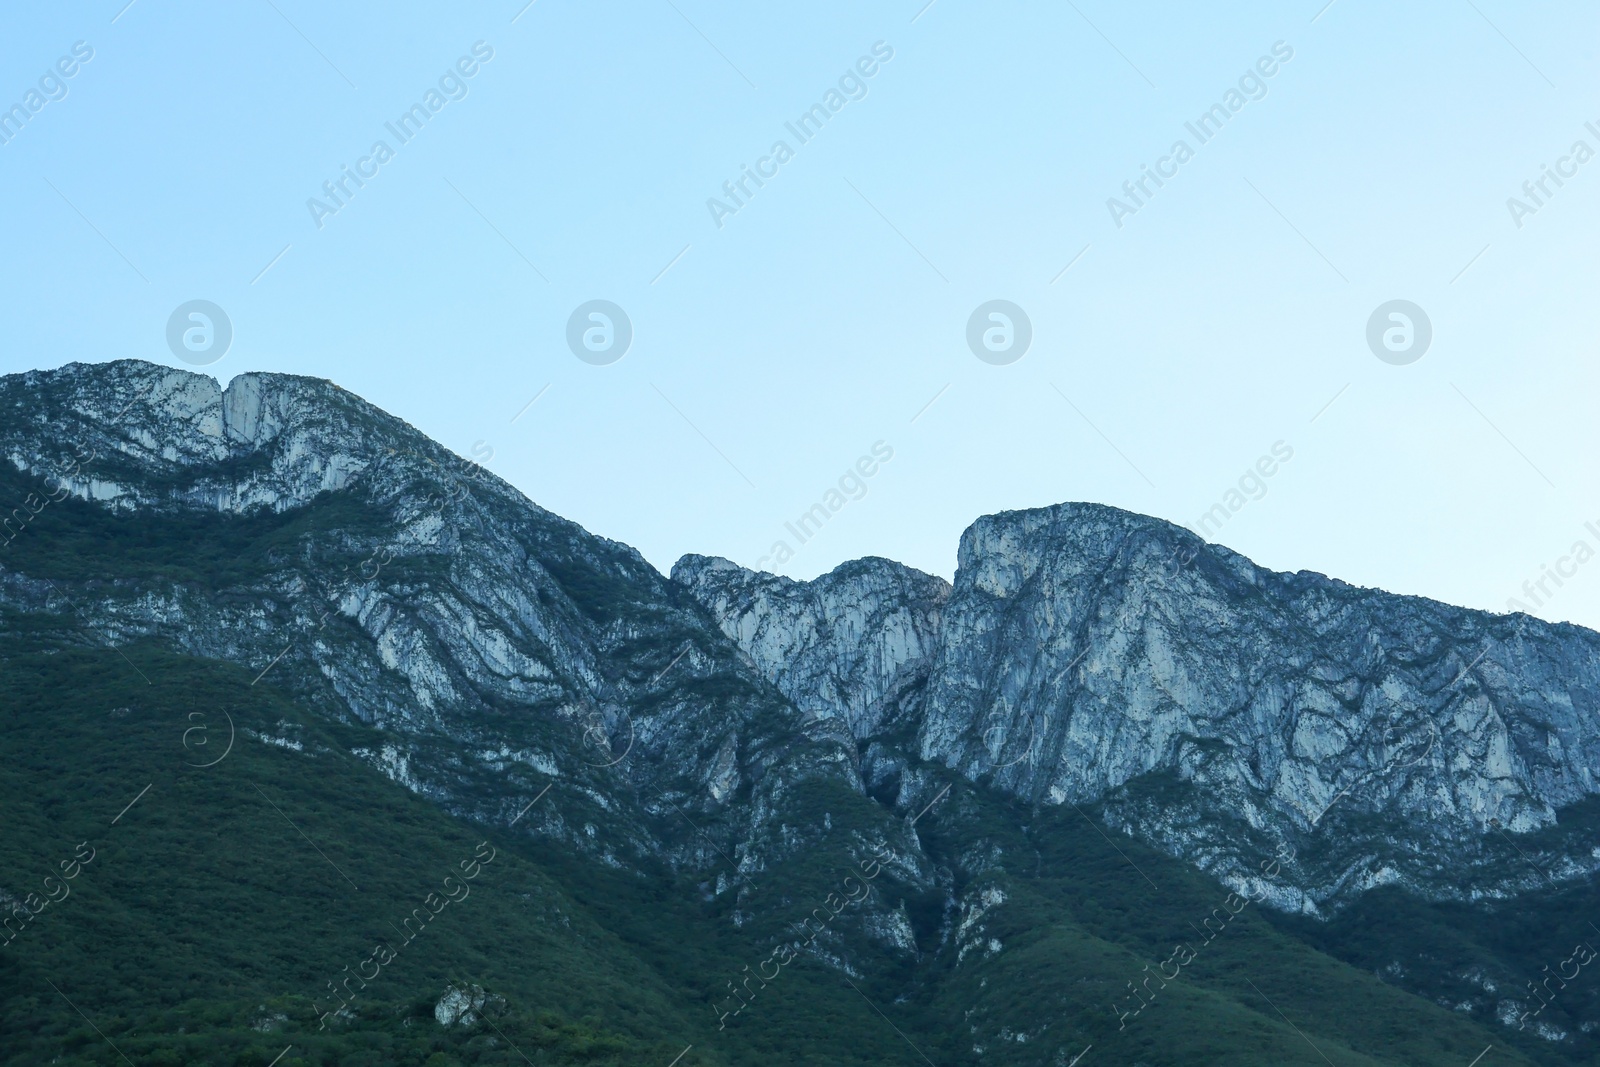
(324, 744)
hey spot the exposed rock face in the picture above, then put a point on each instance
(463, 1005)
(389, 582)
(1217, 710)
(1211, 706)
(153, 429)
(846, 645)
(746, 737)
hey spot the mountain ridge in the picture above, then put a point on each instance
(1029, 570)
(747, 734)
(978, 669)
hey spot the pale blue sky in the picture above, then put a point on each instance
(826, 314)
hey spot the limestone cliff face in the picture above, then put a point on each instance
(845, 646)
(386, 581)
(1213, 708)
(165, 436)
(1084, 655)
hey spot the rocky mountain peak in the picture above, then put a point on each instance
(844, 646)
(1090, 655)
(115, 431)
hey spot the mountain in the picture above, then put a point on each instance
(1215, 709)
(286, 526)
(1114, 794)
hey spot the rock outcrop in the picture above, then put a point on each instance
(1088, 655)
(386, 581)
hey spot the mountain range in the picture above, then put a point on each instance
(1114, 795)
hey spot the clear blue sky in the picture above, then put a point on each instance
(576, 164)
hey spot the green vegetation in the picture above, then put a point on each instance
(219, 908)
(216, 911)
(233, 894)
(1088, 909)
(72, 540)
